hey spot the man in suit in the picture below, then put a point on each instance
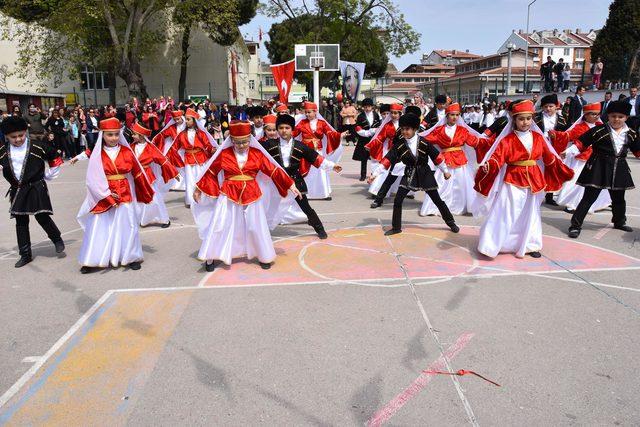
(546, 72)
(575, 107)
(603, 106)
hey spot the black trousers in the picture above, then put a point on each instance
(618, 206)
(24, 237)
(312, 216)
(386, 185)
(363, 169)
(396, 220)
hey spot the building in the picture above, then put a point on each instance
(488, 74)
(396, 86)
(448, 57)
(574, 47)
(223, 74)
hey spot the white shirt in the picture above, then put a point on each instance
(369, 117)
(450, 131)
(191, 136)
(489, 118)
(140, 148)
(549, 122)
(526, 138)
(241, 158)
(285, 150)
(619, 138)
(313, 124)
(413, 144)
(259, 132)
(440, 114)
(18, 157)
(94, 122)
(112, 152)
(632, 101)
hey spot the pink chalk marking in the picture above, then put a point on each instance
(419, 383)
(604, 230)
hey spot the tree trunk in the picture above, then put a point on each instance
(132, 76)
(184, 58)
(112, 85)
(634, 68)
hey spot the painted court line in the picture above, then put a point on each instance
(389, 410)
(604, 230)
(54, 348)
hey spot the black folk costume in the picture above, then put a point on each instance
(606, 169)
(296, 158)
(24, 168)
(418, 175)
(546, 123)
(366, 125)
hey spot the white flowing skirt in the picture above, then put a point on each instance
(179, 185)
(111, 238)
(571, 193)
(318, 184)
(374, 188)
(236, 231)
(292, 214)
(457, 192)
(156, 211)
(513, 224)
(191, 174)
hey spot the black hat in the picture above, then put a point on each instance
(413, 109)
(285, 119)
(621, 107)
(410, 120)
(367, 102)
(13, 124)
(385, 108)
(441, 99)
(549, 99)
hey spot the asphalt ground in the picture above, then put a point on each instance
(346, 331)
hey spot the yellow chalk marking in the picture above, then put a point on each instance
(100, 378)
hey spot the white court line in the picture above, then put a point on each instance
(31, 359)
(604, 285)
(603, 231)
(55, 347)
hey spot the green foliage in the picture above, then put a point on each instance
(367, 31)
(618, 40)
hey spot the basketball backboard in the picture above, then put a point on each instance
(325, 57)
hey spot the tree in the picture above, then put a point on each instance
(618, 43)
(219, 19)
(367, 31)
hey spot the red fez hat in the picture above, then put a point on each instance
(310, 106)
(282, 108)
(192, 113)
(110, 124)
(239, 128)
(177, 113)
(453, 108)
(396, 107)
(269, 120)
(592, 108)
(138, 128)
(522, 107)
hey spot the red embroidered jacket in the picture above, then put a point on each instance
(116, 172)
(376, 146)
(313, 139)
(151, 154)
(522, 168)
(159, 141)
(452, 150)
(561, 140)
(199, 152)
(240, 184)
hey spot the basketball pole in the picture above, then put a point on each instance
(316, 86)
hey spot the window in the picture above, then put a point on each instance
(579, 53)
(567, 51)
(252, 84)
(535, 50)
(86, 79)
(269, 81)
(550, 51)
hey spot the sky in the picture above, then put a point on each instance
(474, 24)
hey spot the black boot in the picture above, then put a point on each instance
(376, 204)
(320, 232)
(59, 245)
(453, 226)
(24, 245)
(265, 265)
(135, 265)
(210, 267)
(574, 232)
(548, 199)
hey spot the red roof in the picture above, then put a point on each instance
(456, 54)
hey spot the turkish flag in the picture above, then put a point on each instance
(283, 77)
